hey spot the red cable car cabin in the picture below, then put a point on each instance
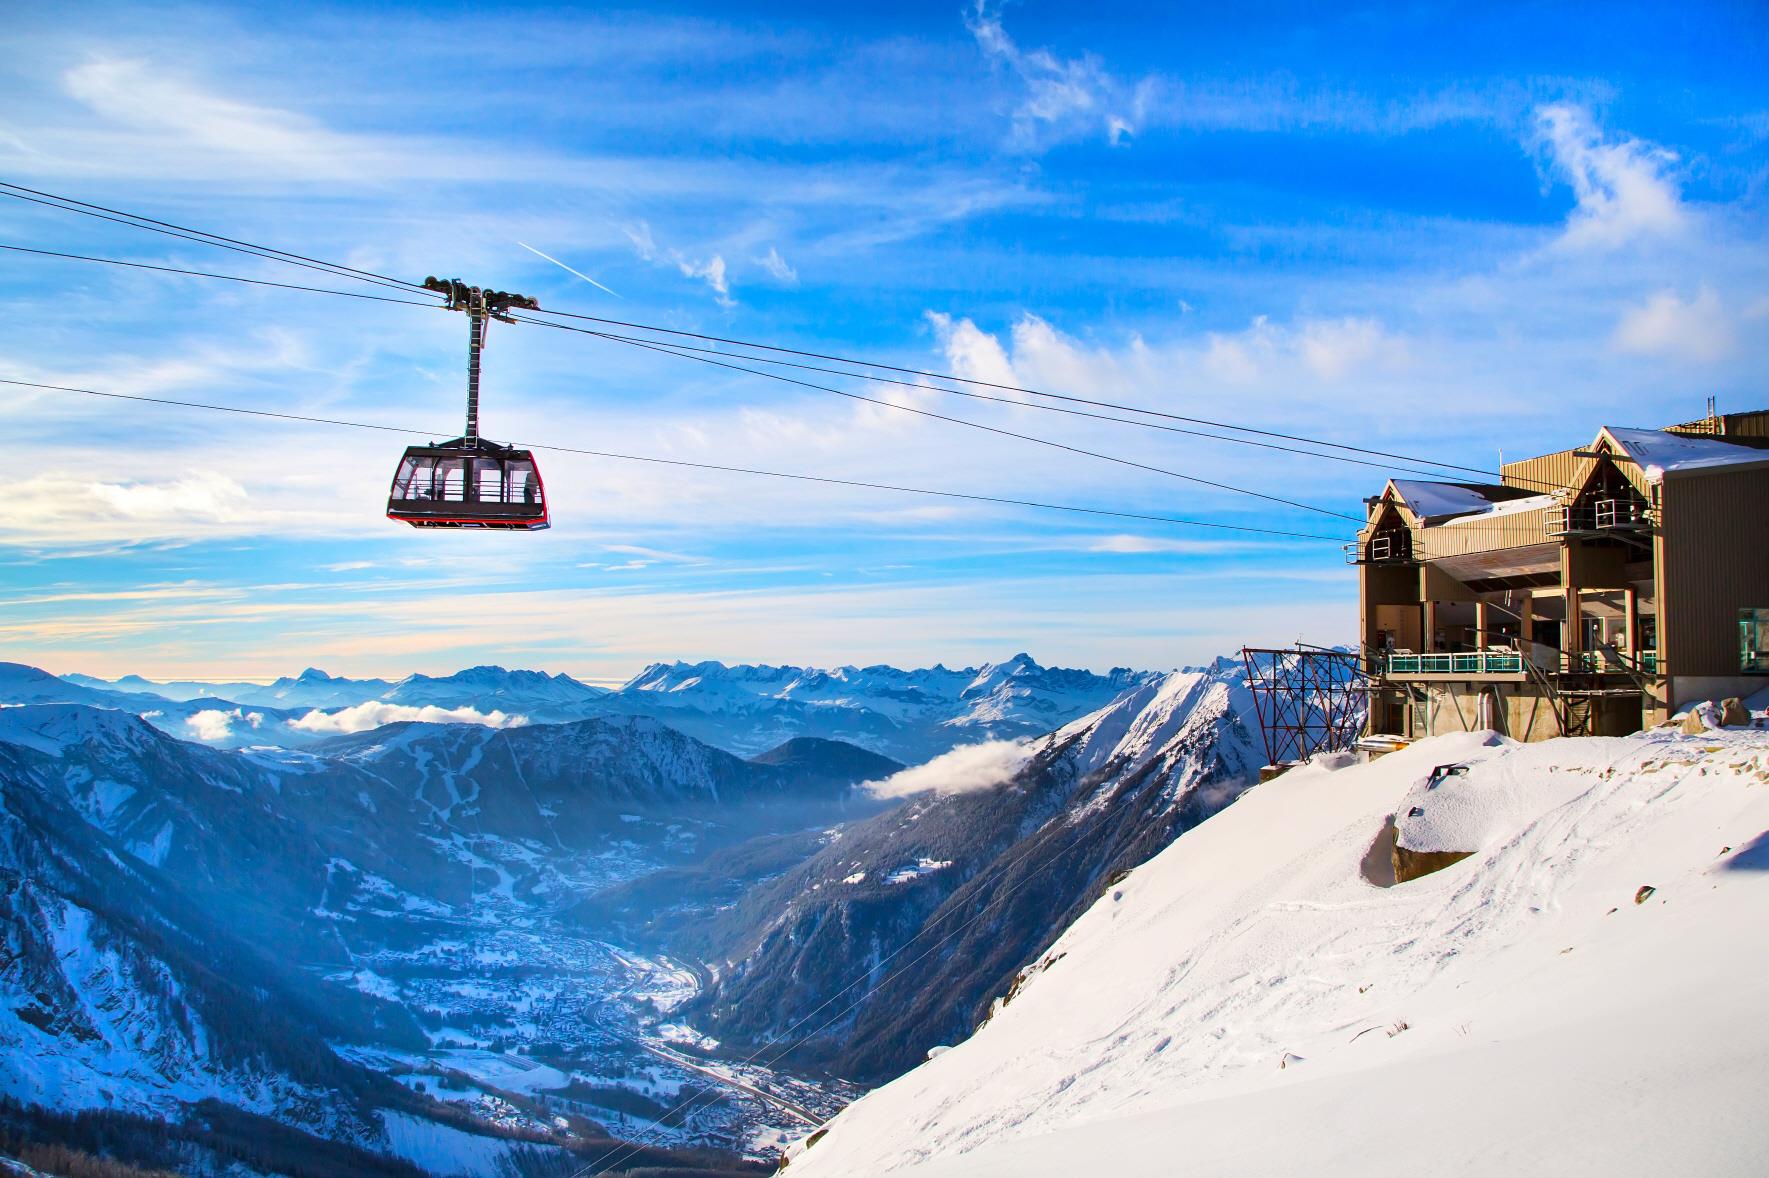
(468, 483)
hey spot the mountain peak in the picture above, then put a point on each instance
(314, 675)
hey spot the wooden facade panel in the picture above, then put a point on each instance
(1715, 561)
(1515, 529)
(1547, 473)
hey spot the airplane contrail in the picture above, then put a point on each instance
(563, 266)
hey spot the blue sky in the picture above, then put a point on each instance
(1428, 230)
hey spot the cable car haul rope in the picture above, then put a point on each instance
(473, 482)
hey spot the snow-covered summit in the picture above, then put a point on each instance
(1253, 1002)
(53, 728)
(909, 714)
(476, 684)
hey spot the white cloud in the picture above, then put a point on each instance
(970, 351)
(1064, 97)
(712, 272)
(215, 725)
(204, 494)
(349, 566)
(1336, 348)
(1699, 330)
(966, 769)
(643, 243)
(374, 714)
(145, 95)
(1624, 188)
(776, 265)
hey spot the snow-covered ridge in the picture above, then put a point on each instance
(1247, 1002)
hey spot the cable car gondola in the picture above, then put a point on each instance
(469, 481)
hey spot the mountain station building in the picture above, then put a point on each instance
(1587, 592)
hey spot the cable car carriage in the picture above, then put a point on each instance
(469, 481)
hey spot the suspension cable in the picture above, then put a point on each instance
(200, 238)
(138, 221)
(1006, 433)
(347, 294)
(685, 464)
(145, 221)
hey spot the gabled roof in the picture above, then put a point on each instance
(1659, 453)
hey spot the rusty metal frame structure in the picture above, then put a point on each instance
(1309, 699)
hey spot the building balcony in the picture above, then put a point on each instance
(1602, 517)
(1507, 664)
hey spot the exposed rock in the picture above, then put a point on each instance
(1410, 864)
(1733, 714)
(1700, 718)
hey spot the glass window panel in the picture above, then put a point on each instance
(451, 479)
(524, 485)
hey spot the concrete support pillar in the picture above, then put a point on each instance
(1428, 626)
(1482, 629)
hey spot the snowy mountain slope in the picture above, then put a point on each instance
(999, 869)
(121, 993)
(1248, 1003)
(565, 784)
(259, 841)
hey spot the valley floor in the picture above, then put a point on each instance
(1248, 1003)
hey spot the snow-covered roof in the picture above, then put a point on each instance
(1431, 501)
(1667, 453)
(1509, 507)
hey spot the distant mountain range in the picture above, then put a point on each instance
(178, 917)
(906, 715)
(279, 929)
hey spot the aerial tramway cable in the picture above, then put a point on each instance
(68, 204)
(826, 480)
(347, 294)
(1006, 433)
(679, 348)
(138, 221)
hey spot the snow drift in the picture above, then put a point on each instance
(1246, 1003)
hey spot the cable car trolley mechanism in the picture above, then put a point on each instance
(471, 482)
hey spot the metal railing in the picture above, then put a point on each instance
(1510, 662)
(1469, 662)
(1600, 515)
(1597, 662)
(1382, 548)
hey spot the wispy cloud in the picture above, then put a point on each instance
(1625, 187)
(776, 265)
(1063, 97)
